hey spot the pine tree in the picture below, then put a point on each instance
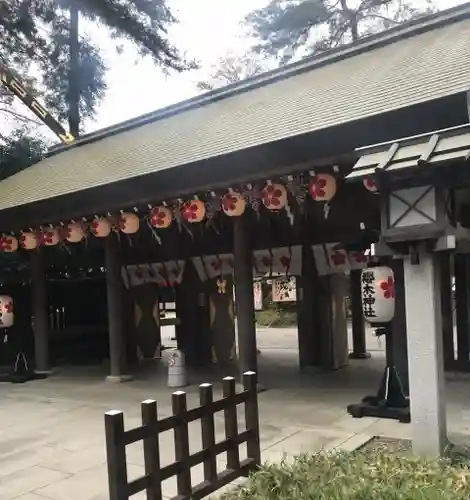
(286, 29)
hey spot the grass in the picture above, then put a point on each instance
(276, 318)
(358, 476)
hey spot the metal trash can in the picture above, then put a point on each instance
(177, 370)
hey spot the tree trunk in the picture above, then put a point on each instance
(351, 18)
(74, 87)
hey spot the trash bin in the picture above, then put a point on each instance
(177, 370)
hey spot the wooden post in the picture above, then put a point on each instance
(152, 449)
(447, 311)
(206, 398)
(244, 299)
(115, 300)
(357, 319)
(252, 417)
(39, 312)
(116, 455)
(462, 312)
(181, 434)
(308, 314)
(231, 422)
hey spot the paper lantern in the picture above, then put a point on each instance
(160, 217)
(6, 311)
(193, 211)
(378, 294)
(74, 232)
(48, 237)
(129, 223)
(370, 185)
(322, 187)
(101, 227)
(29, 240)
(274, 196)
(233, 204)
(8, 244)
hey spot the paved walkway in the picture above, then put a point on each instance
(52, 435)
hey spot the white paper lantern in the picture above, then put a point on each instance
(233, 204)
(274, 197)
(322, 187)
(101, 227)
(160, 217)
(193, 211)
(74, 232)
(378, 294)
(6, 311)
(129, 223)
(29, 240)
(49, 236)
(8, 244)
(370, 185)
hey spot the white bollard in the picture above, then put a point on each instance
(177, 370)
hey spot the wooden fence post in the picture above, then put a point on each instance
(252, 417)
(231, 423)
(116, 455)
(181, 435)
(152, 449)
(206, 398)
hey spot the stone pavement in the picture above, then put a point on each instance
(52, 432)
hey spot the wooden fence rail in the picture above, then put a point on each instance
(117, 439)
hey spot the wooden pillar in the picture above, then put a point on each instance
(39, 312)
(308, 324)
(244, 299)
(444, 262)
(115, 303)
(399, 328)
(357, 319)
(193, 330)
(461, 272)
(222, 325)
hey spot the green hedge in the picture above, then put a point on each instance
(358, 476)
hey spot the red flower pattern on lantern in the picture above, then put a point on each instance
(370, 184)
(193, 211)
(285, 261)
(159, 218)
(317, 187)
(229, 202)
(338, 258)
(9, 307)
(46, 237)
(6, 243)
(272, 197)
(388, 288)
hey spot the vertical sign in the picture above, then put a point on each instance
(258, 295)
(284, 290)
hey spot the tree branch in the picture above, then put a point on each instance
(20, 117)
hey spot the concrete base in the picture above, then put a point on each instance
(119, 379)
(43, 372)
(359, 355)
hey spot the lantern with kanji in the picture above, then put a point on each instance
(378, 294)
(193, 211)
(101, 227)
(6, 311)
(8, 244)
(28, 240)
(274, 197)
(370, 185)
(129, 223)
(48, 236)
(233, 204)
(160, 217)
(322, 187)
(74, 232)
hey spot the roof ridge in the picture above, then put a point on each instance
(365, 44)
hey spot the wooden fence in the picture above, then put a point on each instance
(117, 439)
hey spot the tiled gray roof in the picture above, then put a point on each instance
(425, 66)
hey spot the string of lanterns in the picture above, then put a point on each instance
(322, 187)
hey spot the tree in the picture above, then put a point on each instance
(41, 38)
(36, 35)
(289, 28)
(231, 69)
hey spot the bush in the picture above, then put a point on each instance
(358, 476)
(276, 318)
